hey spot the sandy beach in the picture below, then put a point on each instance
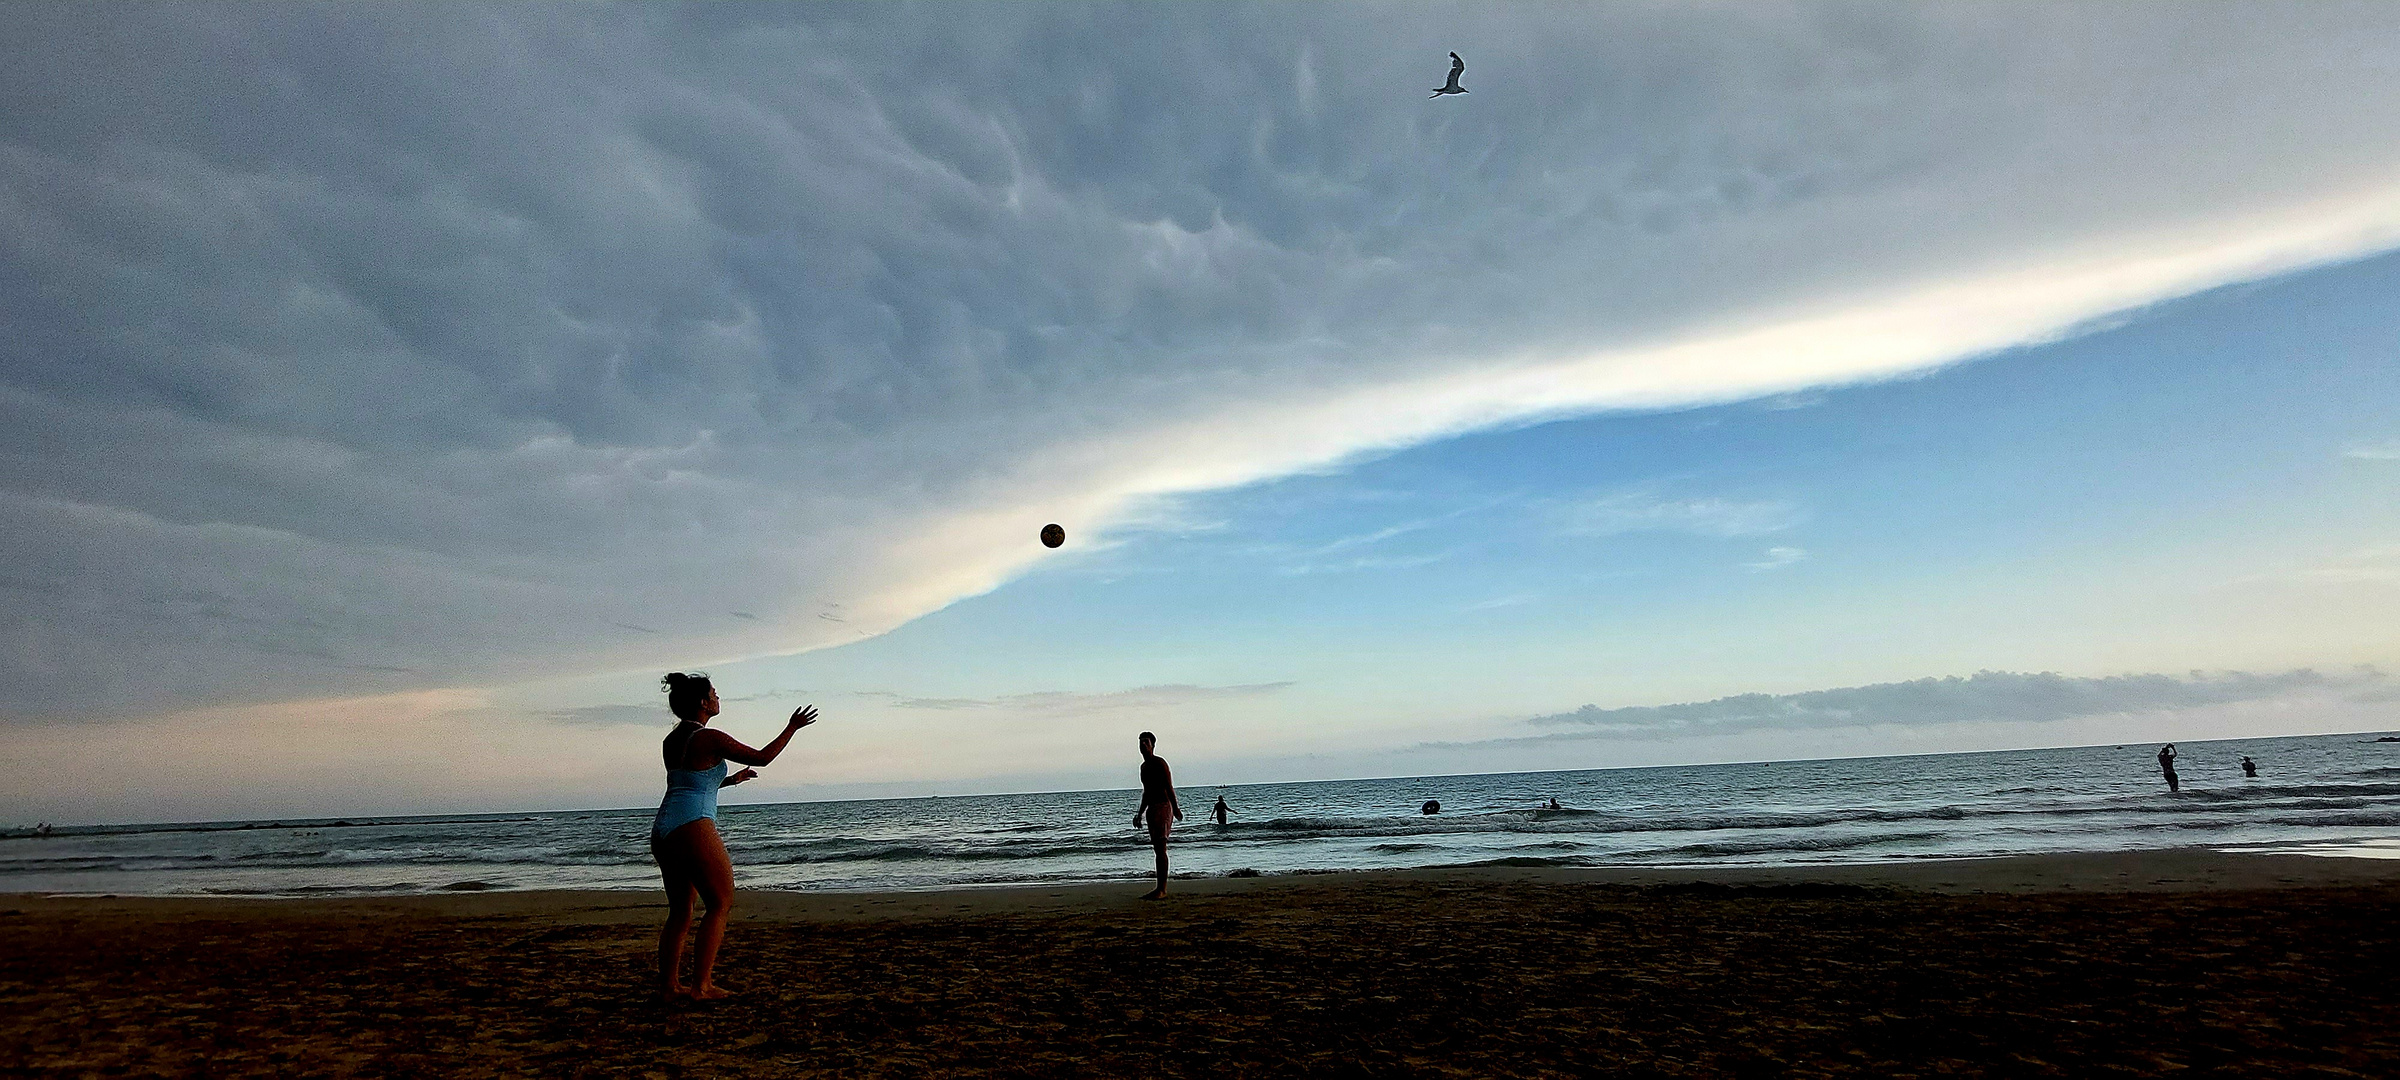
(2183, 962)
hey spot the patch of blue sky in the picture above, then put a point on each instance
(1585, 556)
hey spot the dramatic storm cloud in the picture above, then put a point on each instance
(384, 347)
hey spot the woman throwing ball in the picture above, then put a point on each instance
(684, 837)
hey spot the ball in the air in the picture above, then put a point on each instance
(1052, 535)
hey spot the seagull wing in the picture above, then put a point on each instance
(1456, 66)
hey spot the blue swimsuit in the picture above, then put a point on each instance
(691, 795)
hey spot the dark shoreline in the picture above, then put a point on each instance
(2155, 870)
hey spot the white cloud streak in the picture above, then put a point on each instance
(1777, 558)
(2365, 566)
(1643, 512)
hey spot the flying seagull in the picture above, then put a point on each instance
(1456, 65)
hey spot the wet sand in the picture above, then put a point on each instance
(2166, 962)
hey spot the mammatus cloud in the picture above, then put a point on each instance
(357, 349)
(1984, 697)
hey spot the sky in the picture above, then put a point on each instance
(390, 393)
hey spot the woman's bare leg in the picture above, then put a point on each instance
(713, 877)
(679, 921)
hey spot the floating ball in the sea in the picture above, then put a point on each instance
(1053, 535)
(1432, 806)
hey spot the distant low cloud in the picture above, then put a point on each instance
(1986, 696)
(1060, 702)
(2384, 451)
(654, 714)
(650, 713)
(2372, 566)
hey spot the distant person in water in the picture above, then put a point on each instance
(1159, 809)
(683, 838)
(2166, 764)
(2249, 767)
(1223, 809)
(1554, 805)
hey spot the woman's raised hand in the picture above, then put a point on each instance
(803, 716)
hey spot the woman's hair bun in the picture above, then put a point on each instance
(685, 693)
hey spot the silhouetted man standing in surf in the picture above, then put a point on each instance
(1159, 809)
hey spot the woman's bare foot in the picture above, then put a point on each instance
(673, 994)
(710, 992)
(1159, 893)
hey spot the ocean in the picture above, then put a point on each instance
(2325, 794)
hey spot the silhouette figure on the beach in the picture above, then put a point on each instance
(2249, 767)
(1456, 66)
(1159, 809)
(683, 837)
(1222, 809)
(2166, 764)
